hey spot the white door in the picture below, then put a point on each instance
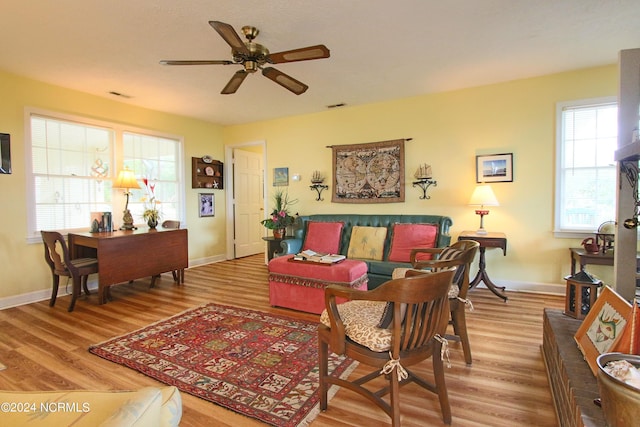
(249, 202)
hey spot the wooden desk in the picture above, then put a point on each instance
(132, 254)
(584, 258)
(489, 240)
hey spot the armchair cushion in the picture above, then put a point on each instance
(323, 237)
(360, 319)
(408, 236)
(367, 242)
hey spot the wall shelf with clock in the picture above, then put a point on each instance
(207, 173)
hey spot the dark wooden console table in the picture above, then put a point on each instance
(583, 258)
(132, 254)
(489, 240)
(273, 245)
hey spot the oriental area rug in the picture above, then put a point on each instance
(257, 364)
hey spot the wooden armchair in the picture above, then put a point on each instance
(416, 310)
(61, 264)
(459, 254)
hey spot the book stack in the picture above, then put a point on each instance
(313, 256)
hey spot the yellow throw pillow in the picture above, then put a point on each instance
(367, 242)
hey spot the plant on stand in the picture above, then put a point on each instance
(280, 217)
(151, 213)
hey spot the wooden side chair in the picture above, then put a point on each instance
(460, 254)
(56, 254)
(178, 275)
(391, 328)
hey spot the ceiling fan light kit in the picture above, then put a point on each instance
(253, 57)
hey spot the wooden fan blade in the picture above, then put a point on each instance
(197, 62)
(235, 82)
(285, 81)
(302, 54)
(229, 35)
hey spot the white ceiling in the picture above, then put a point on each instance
(380, 49)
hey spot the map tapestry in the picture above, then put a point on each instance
(369, 173)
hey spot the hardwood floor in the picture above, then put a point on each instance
(46, 348)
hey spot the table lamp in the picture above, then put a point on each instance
(127, 180)
(483, 196)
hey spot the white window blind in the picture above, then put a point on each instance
(71, 172)
(154, 159)
(586, 171)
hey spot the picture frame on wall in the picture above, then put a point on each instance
(206, 204)
(5, 153)
(603, 326)
(494, 168)
(280, 176)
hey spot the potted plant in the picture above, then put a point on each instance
(280, 217)
(151, 214)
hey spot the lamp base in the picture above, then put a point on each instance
(127, 221)
(482, 213)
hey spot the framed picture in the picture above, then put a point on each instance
(494, 168)
(280, 176)
(372, 172)
(5, 153)
(603, 326)
(206, 204)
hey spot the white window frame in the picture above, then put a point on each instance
(559, 184)
(117, 160)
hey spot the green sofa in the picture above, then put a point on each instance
(378, 271)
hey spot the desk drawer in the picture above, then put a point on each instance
(493, 243)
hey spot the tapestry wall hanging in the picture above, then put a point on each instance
(369, 173)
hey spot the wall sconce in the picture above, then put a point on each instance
(127, 180)
(424, 180)
(317, 184)
(483, 196)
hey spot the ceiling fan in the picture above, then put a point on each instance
(253, 57)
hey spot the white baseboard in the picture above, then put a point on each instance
(45, 294)
(539, 288)
(92, 284)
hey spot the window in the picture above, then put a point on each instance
(585, 171)
(73, 161)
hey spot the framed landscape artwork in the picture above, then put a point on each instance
(280, 176)
(494, 168)
(602, 328)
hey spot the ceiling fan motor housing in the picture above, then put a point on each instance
(257, 57)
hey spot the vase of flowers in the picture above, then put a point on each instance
(151, 213)
(280, 218)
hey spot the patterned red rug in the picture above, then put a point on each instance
(260, 365)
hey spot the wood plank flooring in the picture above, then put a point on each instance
(46, 348)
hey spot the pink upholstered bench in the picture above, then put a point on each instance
(300, 285)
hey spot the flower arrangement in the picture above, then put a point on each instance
(151, 213)
(280, 217)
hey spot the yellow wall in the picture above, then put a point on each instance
(448, 131)
(22, 264)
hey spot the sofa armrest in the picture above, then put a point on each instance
(290, 246)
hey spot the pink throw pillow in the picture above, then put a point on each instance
(323, 237)
(411, 236)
